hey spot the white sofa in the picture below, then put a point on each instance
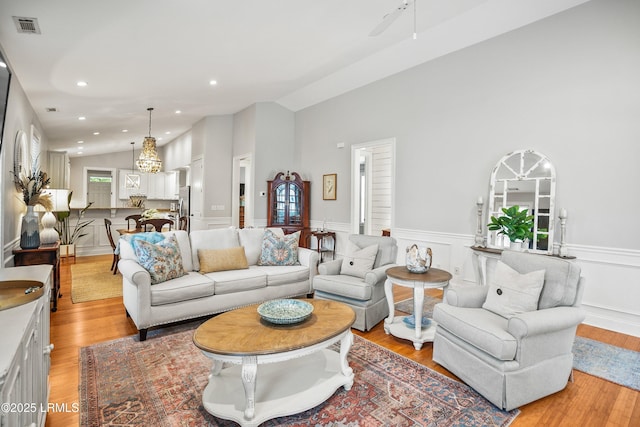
(194, 294)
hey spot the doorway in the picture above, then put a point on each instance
(242, 191)
(373, 177)
(99, 187)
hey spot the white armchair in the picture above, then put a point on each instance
(363, 292)
(512, 358)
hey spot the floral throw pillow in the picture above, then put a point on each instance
(279, 250)
(162, 260)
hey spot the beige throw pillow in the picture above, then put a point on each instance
(357, 263)
(511, 293)
(222, 259)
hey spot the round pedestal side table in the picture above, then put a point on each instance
(395, 325)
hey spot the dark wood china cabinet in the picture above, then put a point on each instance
(288, 204)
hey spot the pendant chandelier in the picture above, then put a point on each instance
(149, 160)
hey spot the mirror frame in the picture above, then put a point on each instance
(21, 154)
(527, 170)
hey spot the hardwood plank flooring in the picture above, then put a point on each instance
(588, 401)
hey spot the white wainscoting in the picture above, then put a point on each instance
(612, 292)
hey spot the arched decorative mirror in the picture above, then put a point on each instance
(21, 154)
(528, 179)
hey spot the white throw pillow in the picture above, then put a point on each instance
(511, 293)
(358, 262)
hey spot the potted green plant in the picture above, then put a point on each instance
(514, 223)
(70, 234)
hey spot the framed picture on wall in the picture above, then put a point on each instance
(329, 183)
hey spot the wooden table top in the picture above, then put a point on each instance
(242, 332)
(130, 231)
(432, 275)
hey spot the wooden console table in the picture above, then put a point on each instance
(322, 236)
(45, 254)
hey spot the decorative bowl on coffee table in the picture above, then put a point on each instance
(285, 311)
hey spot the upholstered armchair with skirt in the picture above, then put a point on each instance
(512, 339)
(358, 279)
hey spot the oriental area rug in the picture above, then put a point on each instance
(94, 281)
(159, 382)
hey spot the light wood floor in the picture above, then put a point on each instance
(588, 401)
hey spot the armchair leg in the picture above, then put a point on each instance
(143, 334)
(571, 375)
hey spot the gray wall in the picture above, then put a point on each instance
(566, 86)
(20, 116)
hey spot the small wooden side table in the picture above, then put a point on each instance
(45, 254)
(321, 236)
(433, 278)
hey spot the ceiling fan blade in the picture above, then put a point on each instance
(388, 19)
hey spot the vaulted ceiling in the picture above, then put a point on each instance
(135, 54)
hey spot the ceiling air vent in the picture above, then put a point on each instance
(51, 109)
(27, 25)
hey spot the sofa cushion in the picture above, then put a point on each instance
(511, 293)
(560, 279)
(190, 286)
(222, 259)
(283, 275)
(162, 260)
(358, 262)
(230, 281)
(346, 286)
(218, 238)
(278, 250)
(387, 247)
(251, 239)
(126, 250)
(479, 327)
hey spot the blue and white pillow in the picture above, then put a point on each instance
(162, 260)
(278, 250)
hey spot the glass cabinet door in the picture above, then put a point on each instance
(295, 200)
(280, 204)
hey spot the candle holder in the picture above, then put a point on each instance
(480, 237)
(563, 252)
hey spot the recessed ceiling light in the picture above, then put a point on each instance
(124, 131)
(167, 133)
(178, 111)
(213, 82)
(81, 84)
(80, 142)
(96, 133)
(82, 118)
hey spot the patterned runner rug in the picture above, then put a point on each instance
(159, 382)
(611, 363)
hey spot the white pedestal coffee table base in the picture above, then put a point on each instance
(253, 389)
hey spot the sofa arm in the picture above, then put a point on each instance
(470, 296)
(332, 267)
(377, 275)
(309, 259)
(134, 273)
(544, 321)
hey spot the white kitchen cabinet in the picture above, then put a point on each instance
(156, 186)
(25, 357)
(171, 186)
(124, 192)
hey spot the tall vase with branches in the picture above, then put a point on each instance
(31, 185)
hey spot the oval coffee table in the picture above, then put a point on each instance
(432, 278)
(297, 369)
